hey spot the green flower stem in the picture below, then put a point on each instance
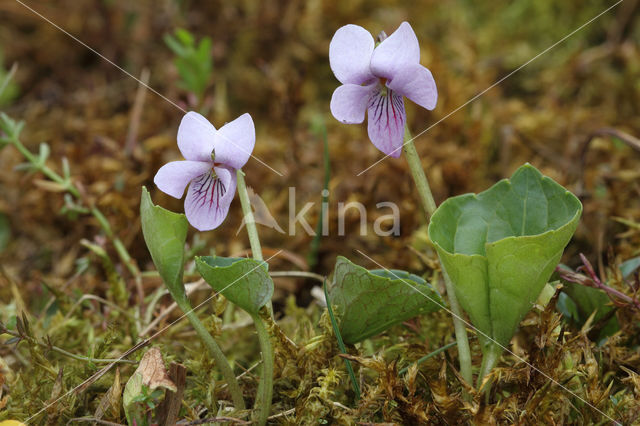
(464, 352)
(420, 179)
(216, 353)
(265, 387)
(429, 204)
(249, 221)
(490, 357)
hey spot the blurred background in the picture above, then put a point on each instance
(270, 59)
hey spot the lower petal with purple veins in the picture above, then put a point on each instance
(209, 197)
(386, 121)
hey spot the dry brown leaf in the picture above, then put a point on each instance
(153, 372)
(111, 399)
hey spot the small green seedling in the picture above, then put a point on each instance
(193, 60)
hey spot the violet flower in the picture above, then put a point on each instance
(212, 158)
(375, 79)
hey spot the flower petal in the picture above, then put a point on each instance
(416, 83)
(173, 177)
(396, 52)
(386, 122)
(209, 198)
(350, 54)
(349, 102)
(195, 137)
(234, 142)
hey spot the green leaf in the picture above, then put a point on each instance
(369, 302)
(245, 282)
(174, 45)
(165, 233)
(185, 37)
(588, 300)
(501, 246)
(132, 392)
(629, 266)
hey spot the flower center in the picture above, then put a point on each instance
(383, 88)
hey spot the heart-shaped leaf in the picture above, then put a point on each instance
(501, 246)
(245, 282)
(165, 233)
(369, 302)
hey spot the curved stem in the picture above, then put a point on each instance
(249, 221)
(265, 387)
(429, 204)
(464, 352)
(216, 352)
(419, 177)
(490, 357)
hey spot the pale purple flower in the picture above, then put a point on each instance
(212, 158)
(375, 79)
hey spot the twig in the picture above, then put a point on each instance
(628, 139)
(97, 299)
(189, 288)
(136, 112)
(428, 356)
(94, 421)
(215, 420)
(593, 281)
(284, 413)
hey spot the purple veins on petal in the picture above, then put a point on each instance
(386, 122)
(212, 159)
(209, 197)
(393, 67)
